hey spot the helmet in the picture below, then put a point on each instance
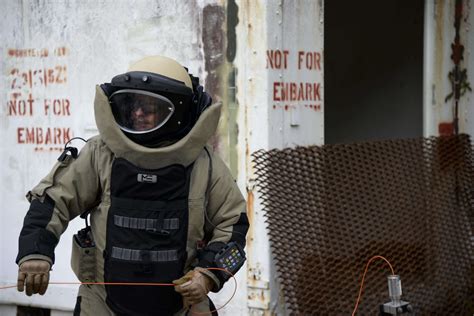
(156, 101)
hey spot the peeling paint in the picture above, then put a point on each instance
(213, 39)
(231, 70)
(457, 76)
(232, 21)
(439, 57)
(446, 128)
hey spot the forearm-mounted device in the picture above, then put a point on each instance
(230, 258)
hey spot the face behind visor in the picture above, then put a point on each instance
(140, 112)
(150, 108)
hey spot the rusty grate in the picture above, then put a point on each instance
(331, 208)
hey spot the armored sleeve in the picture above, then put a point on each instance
(71, 188)
(226, 210)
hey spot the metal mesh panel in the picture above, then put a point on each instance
(331, 208)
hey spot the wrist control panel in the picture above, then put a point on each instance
(231, 258)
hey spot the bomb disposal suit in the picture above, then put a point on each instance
(161, 204)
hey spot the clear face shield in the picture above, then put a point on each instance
(139, 111)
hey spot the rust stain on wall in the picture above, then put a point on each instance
(213, 38)
(250, 215)
(445, 128)
(457, 76)
(439, 56)
(220, 45)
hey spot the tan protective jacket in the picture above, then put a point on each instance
(83, 184)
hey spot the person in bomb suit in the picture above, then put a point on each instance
(161, 204)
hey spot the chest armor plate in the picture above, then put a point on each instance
(147, 228)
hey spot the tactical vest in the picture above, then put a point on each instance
(147, 227)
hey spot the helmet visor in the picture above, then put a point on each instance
(139, 112)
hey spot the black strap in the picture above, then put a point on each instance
(144, 255)
(77, 308)
(212, 307)
(146, 223)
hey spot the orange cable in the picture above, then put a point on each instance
(100, 283)
(363, 278)
(149, 284)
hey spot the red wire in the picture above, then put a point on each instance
(226, 271)
(101, 283)
(363, 278)
(149, 284)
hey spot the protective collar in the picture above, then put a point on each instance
(182, 152)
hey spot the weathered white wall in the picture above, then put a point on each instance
(270, 36)
(80, 44)
(252, 96)
(294, 59)
(439, 32)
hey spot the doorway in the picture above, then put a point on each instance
(373, 77)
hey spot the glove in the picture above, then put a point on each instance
(35, 273)
(193, 286)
